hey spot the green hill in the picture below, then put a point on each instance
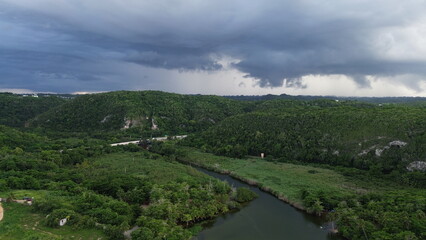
(346, 134)
(146, 110)
(376, 100)
(11, 138)
(16, 110)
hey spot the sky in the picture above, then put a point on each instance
(222, 47)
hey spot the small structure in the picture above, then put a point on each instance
(62, 222)
(262, 155)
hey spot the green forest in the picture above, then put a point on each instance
(172, 113)
(57, 150)
(17, 110)
(87, 185)
(380, 139)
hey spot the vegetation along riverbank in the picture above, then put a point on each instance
(346, 196)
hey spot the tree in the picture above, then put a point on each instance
(245, 195)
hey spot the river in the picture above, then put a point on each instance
(265, 218)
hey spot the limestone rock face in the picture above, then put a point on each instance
(417, 165)
(132, 122)
(397, 143)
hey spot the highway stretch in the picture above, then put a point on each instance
(161, 139)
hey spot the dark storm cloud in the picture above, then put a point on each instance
(276, 42)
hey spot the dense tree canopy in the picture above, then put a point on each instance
(17, 110)
(171, 113)
(384, 139)
(78, 185)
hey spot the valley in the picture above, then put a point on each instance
(354, 165)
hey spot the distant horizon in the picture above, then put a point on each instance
(236, 95)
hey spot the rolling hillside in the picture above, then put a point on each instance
(146, 110)
(346, 134)
(16, 110)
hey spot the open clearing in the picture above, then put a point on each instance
(285, 179)
(21, 222)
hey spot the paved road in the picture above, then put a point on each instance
(157, 139)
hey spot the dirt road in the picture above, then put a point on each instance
(1, 212)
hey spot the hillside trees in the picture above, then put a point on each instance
(364, 137)
(16, 110)
(139, 111)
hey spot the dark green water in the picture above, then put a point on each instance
(265, 218)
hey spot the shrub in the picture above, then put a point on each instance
(245, 195)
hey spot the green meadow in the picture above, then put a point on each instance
(20, 222)
(142, 164)
(289, 180)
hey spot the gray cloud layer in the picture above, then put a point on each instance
(46, 43)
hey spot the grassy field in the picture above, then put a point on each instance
(157, 170)
(287, 180)
(20, 222)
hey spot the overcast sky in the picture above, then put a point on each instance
(329, 47)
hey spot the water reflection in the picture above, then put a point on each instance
(265, 218)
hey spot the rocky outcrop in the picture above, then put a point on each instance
(127, 123)
(106, 119)
(397, 143)
(366, 151)
(417, 166)
(132, 122)
(154, 125)
(378, 151)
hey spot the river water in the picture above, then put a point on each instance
(265, 218)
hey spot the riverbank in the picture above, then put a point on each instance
(266, 217)
(284, 181)
(248, 181)
(359, 202)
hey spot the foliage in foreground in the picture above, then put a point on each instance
(112, 189)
